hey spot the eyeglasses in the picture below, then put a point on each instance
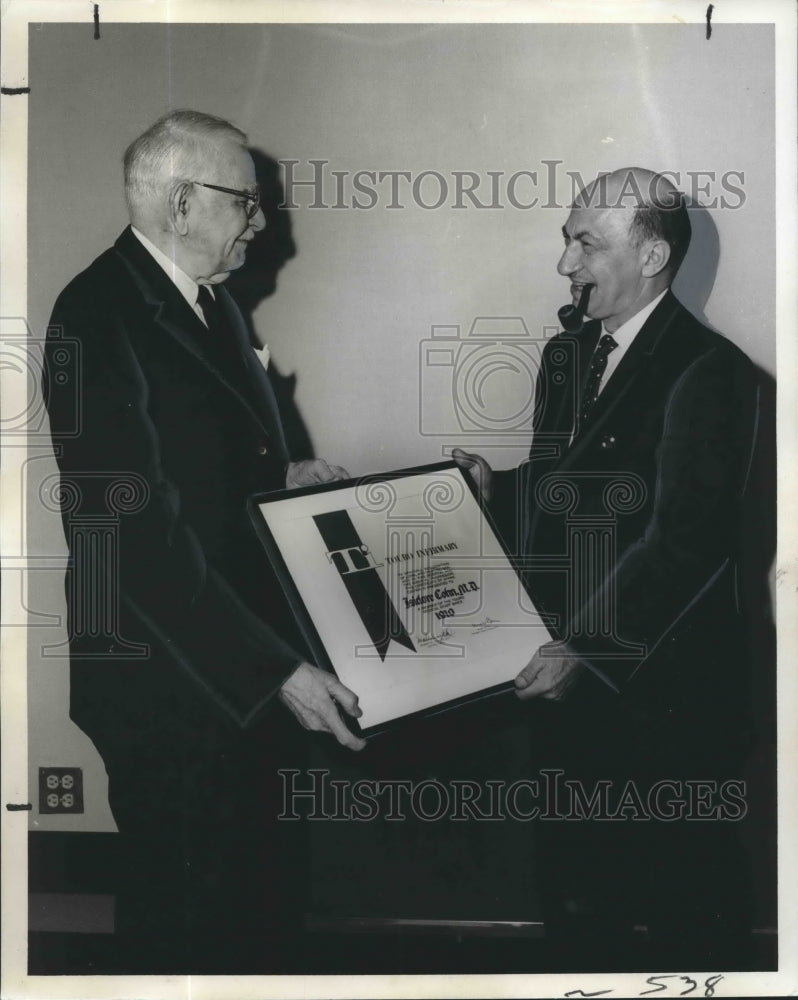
(253, 200)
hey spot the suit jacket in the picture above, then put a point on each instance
(630, 534)
(180, 635)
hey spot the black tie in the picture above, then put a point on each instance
(214, 317)
(598, 365)
(222, 347)
(220, 344)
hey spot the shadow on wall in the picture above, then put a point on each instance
(696, 278)
(268, 253)
(693, 286)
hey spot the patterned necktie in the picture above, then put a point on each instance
(598, 365)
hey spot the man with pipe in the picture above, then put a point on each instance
(642, 444)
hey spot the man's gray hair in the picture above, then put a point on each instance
(170, 151)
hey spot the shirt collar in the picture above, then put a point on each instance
(187, 287)
(627, 331)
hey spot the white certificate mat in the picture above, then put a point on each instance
(403, 588)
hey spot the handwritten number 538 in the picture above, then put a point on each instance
(656, 981)
(709, 984)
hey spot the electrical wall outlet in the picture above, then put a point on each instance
(60, 790)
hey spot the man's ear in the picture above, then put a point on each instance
(179, 206)
(656, 254)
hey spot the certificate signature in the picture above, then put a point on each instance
(440, 639)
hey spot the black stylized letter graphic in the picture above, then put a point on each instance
(356, 565)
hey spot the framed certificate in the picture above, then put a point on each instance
(402, 588)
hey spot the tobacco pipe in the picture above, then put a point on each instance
(572, 317)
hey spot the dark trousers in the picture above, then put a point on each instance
(686, 878)
(214, 880)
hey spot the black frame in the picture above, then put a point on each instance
(302, 615)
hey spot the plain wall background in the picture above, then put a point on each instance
(355, 303)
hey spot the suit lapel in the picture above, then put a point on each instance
(635, 364)
(632, 367)
(262, 393)
(174, 317)
(550, 440)
(585, 345)
(562, 391)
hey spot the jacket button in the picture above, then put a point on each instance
(263, 449)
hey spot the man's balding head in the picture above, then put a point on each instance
(191, 189)
(173, 149)
(627, 234)
(655, 208)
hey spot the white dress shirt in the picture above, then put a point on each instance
(187, 287)
(624, 336)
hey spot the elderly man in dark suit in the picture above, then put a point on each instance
(629, 531)
(186, 701)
